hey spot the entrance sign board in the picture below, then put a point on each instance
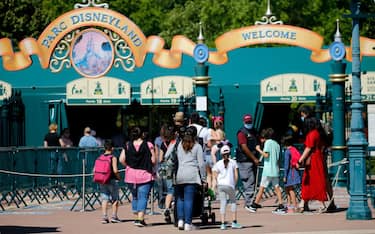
(5, 90)
(292, 87)
(367, 86)
(165, 90)
(103, 91)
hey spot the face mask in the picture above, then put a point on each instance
(248, 126)
(302, 118)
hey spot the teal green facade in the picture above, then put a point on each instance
(239, 79)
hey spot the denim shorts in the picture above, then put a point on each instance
(169, 185)
(208, 160)
(110, 191)
(266, 180)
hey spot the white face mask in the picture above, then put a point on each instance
(248, 126)
(302, 118)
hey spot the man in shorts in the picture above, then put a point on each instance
(270, 174)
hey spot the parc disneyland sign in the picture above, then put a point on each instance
(140, 45)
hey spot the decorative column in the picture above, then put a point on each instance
(221, 109)
(4, 123)
(357, 144)
(318, 106)
(181, 105)
(201, 79)
(338, 78)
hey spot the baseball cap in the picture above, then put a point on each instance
(225, 150)
(247, 118)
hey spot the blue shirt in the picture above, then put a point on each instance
(271, 163)
(87, 141)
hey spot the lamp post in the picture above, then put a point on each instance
(357, 143)
(338, 78)
(201, 79)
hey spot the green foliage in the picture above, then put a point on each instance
(167, 18)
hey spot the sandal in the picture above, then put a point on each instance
(300, 210)
(322, 210)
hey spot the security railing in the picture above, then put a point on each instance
(30, 175)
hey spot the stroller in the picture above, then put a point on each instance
(201, 206)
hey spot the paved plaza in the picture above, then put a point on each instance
(56, 217)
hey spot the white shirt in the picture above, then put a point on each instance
(225, 176)
(202, 132)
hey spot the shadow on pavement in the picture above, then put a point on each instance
(337, 210)
(26, 229)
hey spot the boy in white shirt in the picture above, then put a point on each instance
(225, 172)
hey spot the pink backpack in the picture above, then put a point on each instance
(295, 156)
(103, 169)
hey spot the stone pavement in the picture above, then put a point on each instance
(56, 217)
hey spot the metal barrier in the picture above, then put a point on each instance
(40, 175)
(269, 191)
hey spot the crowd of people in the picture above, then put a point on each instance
(188, 155)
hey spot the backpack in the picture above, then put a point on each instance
(295, 155)
(103, 169)
(200, 139)
(168, 168)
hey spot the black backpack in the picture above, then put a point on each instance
(200, 139)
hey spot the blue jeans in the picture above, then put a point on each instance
(140, 194)
(56, 163)
(185, 201)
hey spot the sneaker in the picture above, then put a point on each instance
(236, 225)
(251, 208)
(280, 209)
(105, 220)
(256, 205)
(189, 227)
(140, 223)
(115, 220)
(223, 226)
(180, 225)
(167, 216)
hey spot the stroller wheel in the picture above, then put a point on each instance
(213, 218)
(204, 218)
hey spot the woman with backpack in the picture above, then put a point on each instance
(138, 157)
(292, 177)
